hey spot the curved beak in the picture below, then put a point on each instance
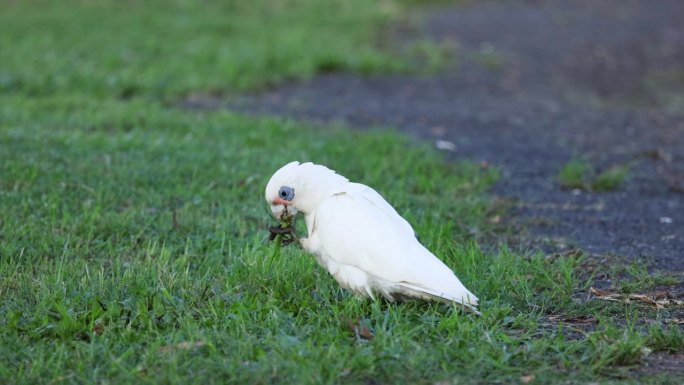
(281, 201)
(282, 209)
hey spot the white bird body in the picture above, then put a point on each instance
(360, 238)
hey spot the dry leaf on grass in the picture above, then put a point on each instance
(98, 329)
(572, 253)
(359, 328)
(577, 320)
(185, 345)
(527, 378)
(657, 299)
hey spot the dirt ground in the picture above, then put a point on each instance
(533, 85)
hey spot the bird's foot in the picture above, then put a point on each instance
(287, 233)
(275, 230)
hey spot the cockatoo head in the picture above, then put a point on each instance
(299, 187)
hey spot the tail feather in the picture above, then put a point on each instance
(469, 301)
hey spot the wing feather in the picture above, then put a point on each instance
(372, 196)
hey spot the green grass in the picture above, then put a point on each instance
(429, 56)
(626, 277)
(89, 239)
(611, 178)
(580, 174)
(110, 48)
(99, 283)
(132, 232)
(574, 174)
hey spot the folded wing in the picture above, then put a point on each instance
(359, 228)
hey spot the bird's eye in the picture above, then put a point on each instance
(286, 193)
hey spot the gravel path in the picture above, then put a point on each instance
(536, 84)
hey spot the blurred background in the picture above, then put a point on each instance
(537, 145)
(578, 103)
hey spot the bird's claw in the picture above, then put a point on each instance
(288, 239)
(280, 230)
(287, 233)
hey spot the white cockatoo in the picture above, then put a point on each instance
(359, 237)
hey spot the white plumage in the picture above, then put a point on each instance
(360, 238)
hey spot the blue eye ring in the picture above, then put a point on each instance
(286, 193)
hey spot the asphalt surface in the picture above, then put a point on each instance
(535, 84)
